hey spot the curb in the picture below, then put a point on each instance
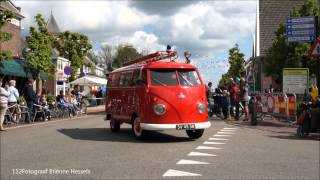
(45, 122)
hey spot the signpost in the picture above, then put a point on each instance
(315, 52)
(315, 49)
(295, 80)
(68, 71)
(301, 29)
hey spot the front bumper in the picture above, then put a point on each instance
(202, 125)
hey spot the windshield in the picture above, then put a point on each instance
(168, 77)
(163, 77)
(188, 77)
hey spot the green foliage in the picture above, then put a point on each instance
(39, 44)
(125, 54)
(73, 46)
(5, 17)
(289, 55)
(236, 61)
(94, 57)
(51, 98)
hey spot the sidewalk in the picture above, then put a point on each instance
(268, 124)
(90, 111)
(96, 109)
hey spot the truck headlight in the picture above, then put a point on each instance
(159, 109)
(201, 108)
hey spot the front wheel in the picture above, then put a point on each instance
(137, 130)
(195, 134)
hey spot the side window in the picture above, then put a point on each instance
(143, 76)
(128, 79)
(115, 80)
(135, 77)
(109, 83)
(122, 79)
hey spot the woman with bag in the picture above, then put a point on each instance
(4, 94)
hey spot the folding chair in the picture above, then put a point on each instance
(38, 109)
(23, 112)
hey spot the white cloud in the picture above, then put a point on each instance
(204, 28)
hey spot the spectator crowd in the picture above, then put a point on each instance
(227, 101)
(11, 102)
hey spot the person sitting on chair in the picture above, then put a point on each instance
(64, 104)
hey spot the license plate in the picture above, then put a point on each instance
(185, 126)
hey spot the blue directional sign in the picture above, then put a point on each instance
(301, 29)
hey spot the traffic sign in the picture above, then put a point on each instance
(301, 29)
(315, 49)
(67, 70)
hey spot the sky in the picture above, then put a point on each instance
(207, 29)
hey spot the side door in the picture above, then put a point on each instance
(141, 98)
(127, 97)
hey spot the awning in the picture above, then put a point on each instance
(18, 68)
(90, 80)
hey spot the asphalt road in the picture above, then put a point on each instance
(85, 148)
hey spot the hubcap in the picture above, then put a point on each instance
(137, 127)
(111, 124)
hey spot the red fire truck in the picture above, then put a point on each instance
(151, 93)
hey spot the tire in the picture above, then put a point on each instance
(195, 134)
(114, 126)
(137, 131)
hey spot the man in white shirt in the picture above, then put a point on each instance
(13, 98)
(14, 94)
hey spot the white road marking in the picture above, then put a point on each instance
(172, 172)
(208, 147)
(225, 132)
(209, 142)
(229, 128)
(217, 139)
(184, 161)
(221, 135)
(200, 154)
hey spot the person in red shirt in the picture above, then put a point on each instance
(235, 96)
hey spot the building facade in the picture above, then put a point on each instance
(60, 79)
(15, 44)
(269, 15)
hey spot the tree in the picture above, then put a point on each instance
(125, 54)
(5, 17)
(236, 61)
(39, 43)
(105, 56)
(93, 56)
(73, 46)
(290, 55)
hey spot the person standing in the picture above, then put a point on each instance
(14, 94)
(229, 88)
(13, 98)
(4, 94)
(235, 96)
(30, 97)
(244, 97)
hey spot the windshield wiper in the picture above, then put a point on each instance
(158, 81)
(187, 81)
